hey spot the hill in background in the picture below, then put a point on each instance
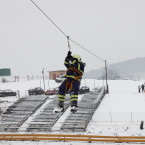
(130, 69)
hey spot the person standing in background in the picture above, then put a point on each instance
(142, 86)
(139, 88)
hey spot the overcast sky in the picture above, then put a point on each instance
(112, 29)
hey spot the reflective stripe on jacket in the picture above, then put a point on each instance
(74, 64)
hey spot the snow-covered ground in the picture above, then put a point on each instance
(120, 112)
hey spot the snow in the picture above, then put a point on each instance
(119, 114)
(121, 111)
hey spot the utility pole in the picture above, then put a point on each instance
(48, 82)
(43, 80)
(103, 80)
(107, 89)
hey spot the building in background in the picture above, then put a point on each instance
(5, 72)
(54, 74)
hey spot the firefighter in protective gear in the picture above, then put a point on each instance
(75, 70)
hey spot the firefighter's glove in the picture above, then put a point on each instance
(69, 55)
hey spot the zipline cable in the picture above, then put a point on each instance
(98, 57)
(87, 50)
(49, 18)
(73, 40)
(64, 33)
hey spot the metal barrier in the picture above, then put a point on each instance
(63, 137)
(45, 120)
(86, 107)
(20, 111)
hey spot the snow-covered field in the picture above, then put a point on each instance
(121, 111)
(119, 114)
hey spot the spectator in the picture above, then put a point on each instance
(142, 86)
(139, 88)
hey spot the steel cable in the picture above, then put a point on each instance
(75, 41)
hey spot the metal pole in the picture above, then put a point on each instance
(48, 82)
(103, 81)
(43, 80)
(107, 91)
(110, 117)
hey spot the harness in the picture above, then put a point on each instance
(77, 78)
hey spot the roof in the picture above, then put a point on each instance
(58, 71)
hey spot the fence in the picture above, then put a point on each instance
(100, 116)
(119, 116)
(22, 78)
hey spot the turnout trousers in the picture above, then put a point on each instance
(64, 88)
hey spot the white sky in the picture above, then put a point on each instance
(112, 29)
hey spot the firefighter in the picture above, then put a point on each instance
(75, 70)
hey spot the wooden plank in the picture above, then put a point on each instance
(87, 138)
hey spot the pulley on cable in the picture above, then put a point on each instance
(69, 45)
